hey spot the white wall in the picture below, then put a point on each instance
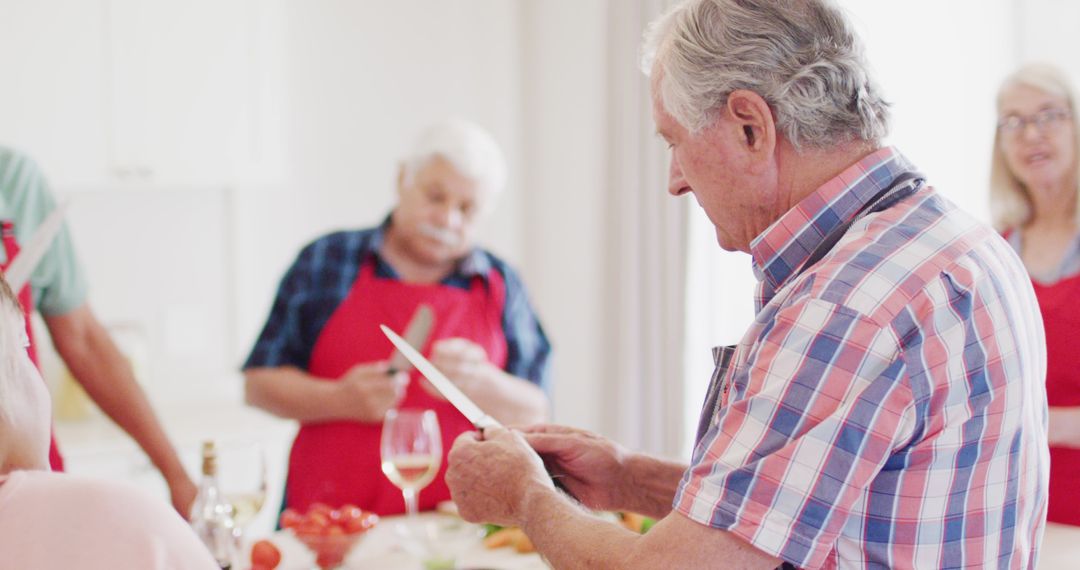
(940, 64)
(564, 126)
(344, 87)
(1046, 30)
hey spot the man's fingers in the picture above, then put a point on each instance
(466, 438)
(376, 367)
(549, 444)
(493, 433)
(459, 349)
(550, 429)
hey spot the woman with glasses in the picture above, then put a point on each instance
(1033, 193)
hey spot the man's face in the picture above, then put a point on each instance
(438, 212)
(25, 418)
(717, 167)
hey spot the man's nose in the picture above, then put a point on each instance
(676, 183)
(450, 217)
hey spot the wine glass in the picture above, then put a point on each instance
(243, 482)
(411, 452)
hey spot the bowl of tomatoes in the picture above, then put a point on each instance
(329, 533)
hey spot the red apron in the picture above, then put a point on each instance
(26, 298)
(1060, 307)
(338, 462)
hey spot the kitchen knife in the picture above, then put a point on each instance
(416, 332)
(22, 266)
(441, 383)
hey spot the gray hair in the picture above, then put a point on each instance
(801, 56)
(1010, 204)
(471, 150)
(10, 341)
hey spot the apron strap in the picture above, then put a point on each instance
(902, 186)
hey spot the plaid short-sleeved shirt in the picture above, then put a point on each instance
(887, 407)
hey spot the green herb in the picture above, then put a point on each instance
(646, 524)
(439, 564)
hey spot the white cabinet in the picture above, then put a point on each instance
(53, 97)
(153, 92)
(179, 89)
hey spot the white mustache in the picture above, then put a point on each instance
(447, 237)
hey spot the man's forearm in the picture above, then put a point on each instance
(567, 536)
(570, 538)
(289, 392)
(98, 365)
(652, 484)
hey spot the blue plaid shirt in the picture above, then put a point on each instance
(323, 274)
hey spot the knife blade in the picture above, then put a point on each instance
(416, 332)
(472, 412)
(22, 266)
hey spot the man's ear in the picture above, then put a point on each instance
(750, 111)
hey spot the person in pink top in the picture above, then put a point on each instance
(55, 520)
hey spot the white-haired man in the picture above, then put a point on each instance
(322, 360)
(886, 409)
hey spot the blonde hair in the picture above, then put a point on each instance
(1010, 204)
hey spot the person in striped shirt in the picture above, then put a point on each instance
(886, 408)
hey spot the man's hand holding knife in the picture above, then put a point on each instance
(373, 388)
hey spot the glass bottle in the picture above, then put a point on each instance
(211, 516)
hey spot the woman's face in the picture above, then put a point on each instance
(25, 417)
(1037, 137)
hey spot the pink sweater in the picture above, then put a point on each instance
(52, 520)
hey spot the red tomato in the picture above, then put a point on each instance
(349, 512)
(308, 528)
(319, 519)
(336, 515)
(323, 508)
(334, 530)
(265, 554)
(291, 518)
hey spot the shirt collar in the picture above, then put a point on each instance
(473, 264)
(785, 245)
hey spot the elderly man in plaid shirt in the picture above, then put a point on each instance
(886, 408)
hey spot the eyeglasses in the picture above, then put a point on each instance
(1044, 121)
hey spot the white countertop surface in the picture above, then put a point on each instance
(384, 548)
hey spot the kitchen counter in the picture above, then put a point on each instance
(96, 447)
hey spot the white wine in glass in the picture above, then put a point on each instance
(411, 450)
(243, 481)
(246, 506)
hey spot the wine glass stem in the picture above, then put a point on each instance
(410, 501)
